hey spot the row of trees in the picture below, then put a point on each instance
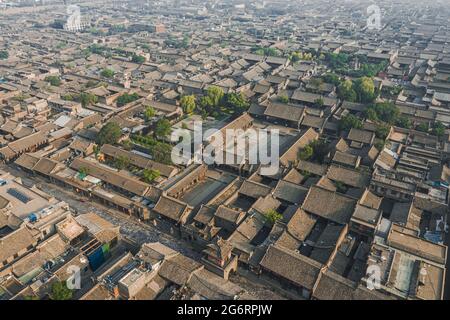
(340, 63)
(359, 90)
(110, 133)
(264, 51)
(214, 103)
(385, 115)
(108, 53)
(298, 56)
(160, 151)
(126, 98)
(85, 98)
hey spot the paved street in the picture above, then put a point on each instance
(139, 232)
(130, 227)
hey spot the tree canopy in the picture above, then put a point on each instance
(163, 128)
(365, 89)
(107, 73)
(283, 98)
(127, 98)
(272, 216)
(210, 103)
(149, 113)
(350, 121)
(384, 111)
(306, 153)
(137, 59)
(122, 162)
(188, 104)
(60, 291)
(150, 175)
(438, 129)
(264, 51)
(87, 99)
(237, 102)
(109, 134)
(346, 92)
(53, 80)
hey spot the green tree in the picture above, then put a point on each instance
(337, 60)
(306, 153)
(126, 98)
(379, 144)
(60, 291)
(67, 97)
(87, 99)
(211, 101)
(53, 80)
(4, 55)
(283, 98)
(150, 175)
(371, 114)
(382, 131)
(403, 123)
(149, 113)
(122, 162)
(331, 78)
(321, 150)
(127, 145)
(96, 150)
(163, 128)
(186, 41)
(350, 121)
(365, 89)
(424, 127)
(83, 172)
(273, 52)
(385, 111)
(215, 94)
(346, 91)
(162, 152)
(340, 187)
(109, 134)
(237, 102)
(137, 59)
(296, 56)
(107, 73)
(438, 129)
(259, 52)
(188, 104)
(272, 216)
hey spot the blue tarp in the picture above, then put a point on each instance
(96, 258)
(435, 237)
